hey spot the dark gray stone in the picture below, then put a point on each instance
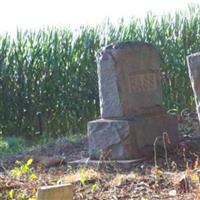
(110, 139)
(193, 63)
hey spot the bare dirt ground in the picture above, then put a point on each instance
(174, 177)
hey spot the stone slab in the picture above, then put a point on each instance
(129, 79)
(129, 139)
(57, 192)
(87, 162)
(193, 63)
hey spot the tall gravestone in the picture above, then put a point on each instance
(193, 63)
(132, 115)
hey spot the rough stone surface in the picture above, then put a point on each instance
(129, 80)
(110, 105)
(57, 192)
(132, 115)
(193, 63)
(110, 139)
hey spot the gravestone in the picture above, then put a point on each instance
(132, 115)
(193, 63)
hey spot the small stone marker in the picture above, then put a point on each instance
(193, 63)
(132, 115)
(57, 192)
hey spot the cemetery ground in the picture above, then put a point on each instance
(164, 175)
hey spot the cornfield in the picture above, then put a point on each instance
(53, 71)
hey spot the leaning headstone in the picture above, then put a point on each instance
(57, 192)
(193, 63)
(132, 115)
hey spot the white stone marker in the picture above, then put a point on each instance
(57, 192)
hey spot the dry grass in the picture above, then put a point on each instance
(93, 183)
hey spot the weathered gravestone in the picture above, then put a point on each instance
(132, 115)
(193, 63)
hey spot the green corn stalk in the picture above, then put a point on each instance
(54, 70)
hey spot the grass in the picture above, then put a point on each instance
(11, 145)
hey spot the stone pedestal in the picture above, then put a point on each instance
(127, 139)
(111, 139)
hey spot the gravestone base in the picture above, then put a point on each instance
(117, 139)
(122, 164)
(111, 139)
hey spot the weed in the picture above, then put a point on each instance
(155, 153)
(24, 169)
(166, 140)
